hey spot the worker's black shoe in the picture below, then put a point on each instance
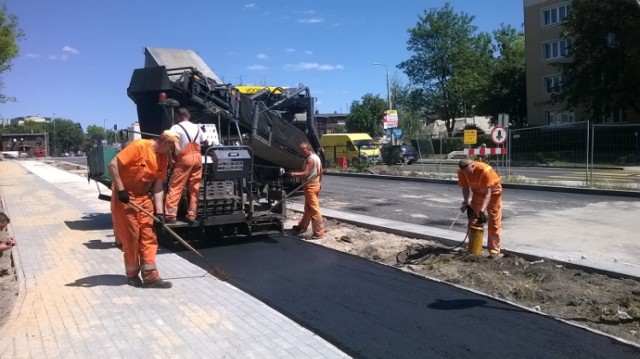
(134, 281)
(158, 283)
(169, 220)
(296, 228)
(190, 220)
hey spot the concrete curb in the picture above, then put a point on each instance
(591, 191)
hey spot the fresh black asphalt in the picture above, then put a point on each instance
(370, 310)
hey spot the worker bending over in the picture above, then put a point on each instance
(312, 174)
(187, 169)
(138, 171)
(480, 179)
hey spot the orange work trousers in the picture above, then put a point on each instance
(134, 229)
(114, 202)
(494, 220)
(312, 210)
(187, 171)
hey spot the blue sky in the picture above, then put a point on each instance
(77, 57)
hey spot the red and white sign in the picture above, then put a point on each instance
(498, 135)
(485, 151)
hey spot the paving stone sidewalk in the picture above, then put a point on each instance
(73, 301)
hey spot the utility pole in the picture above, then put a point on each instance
(386, 71)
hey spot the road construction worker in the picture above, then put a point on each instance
(187, 169)
(480, 179)
(138, 173)
(311, 174)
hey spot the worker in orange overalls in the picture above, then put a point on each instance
(312, 174)
(187, 170)
(480, 179)
(138, 171)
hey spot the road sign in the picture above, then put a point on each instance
(503, 120)
(390, 119)
(498, 135)
(470, 137)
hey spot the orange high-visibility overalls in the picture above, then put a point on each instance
(483, 177)
(311, 204)
(139, 167)
(186, 171)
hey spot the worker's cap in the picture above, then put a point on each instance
(173, 137)
(464, 163)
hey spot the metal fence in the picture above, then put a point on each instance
(592, 155)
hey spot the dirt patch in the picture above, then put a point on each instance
(607, 304)
(8, 280)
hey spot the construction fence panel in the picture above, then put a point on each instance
(563, 146)
(614, 147)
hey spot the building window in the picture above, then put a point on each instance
(555, 49)
(611, 114)
(554, 117)
(553, 84)
(556, 15)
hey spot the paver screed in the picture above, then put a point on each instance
(74, 302)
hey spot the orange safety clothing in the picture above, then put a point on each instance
(312, 212)
(186, 171)
(483, 177)
(139, 167)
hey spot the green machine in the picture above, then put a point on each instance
(98, 160)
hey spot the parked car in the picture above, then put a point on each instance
(394, 154)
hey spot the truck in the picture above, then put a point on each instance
(254, 138)
(353, 147)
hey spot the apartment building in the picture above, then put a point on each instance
(544, 45)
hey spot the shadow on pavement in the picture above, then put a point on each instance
(99, 244)
(97, 280)
(91, 222)
(457, 304)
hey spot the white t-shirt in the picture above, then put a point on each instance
(192, 129)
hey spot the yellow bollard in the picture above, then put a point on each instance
(476, 235)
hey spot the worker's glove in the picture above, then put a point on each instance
(159, 223)
(482, 218)
(464, 207)
(123, 196)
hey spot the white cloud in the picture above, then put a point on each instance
(262, 56)
(313, 20)
(64, 57)
(52, 57)
(70, 50)
(302, 66)
(308, 52)
(230, 53)
(307, 12)
(249, 6)
(257, 67)
(33, 56)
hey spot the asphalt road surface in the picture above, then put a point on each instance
(373, 311)
(434, 204)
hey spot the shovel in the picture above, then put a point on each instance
(212, 269)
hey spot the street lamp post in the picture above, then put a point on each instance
(386, 71)
(55, 138)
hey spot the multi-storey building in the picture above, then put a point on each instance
(544, 45)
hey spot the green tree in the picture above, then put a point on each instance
(507, 90)
(10, 34)
(604, 73)
(450, 62)
(366, 116)
(66, 137)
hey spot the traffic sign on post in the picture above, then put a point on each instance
(498, 135)
(503, 120)
(470, 137)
